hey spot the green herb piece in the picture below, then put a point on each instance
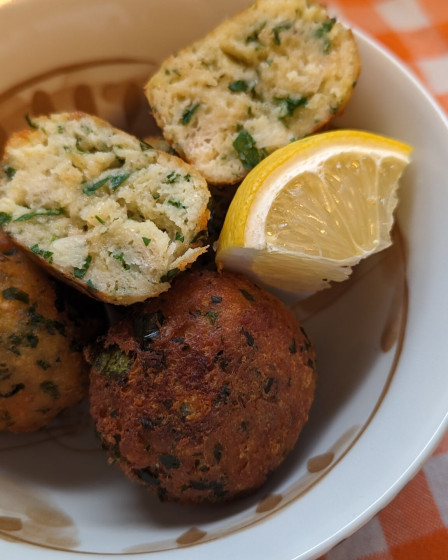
(144, 146)
(212, 316)
(325, 27)
(120, 257)
(268, 385)
(223, 394)
(187, 177)
(217, 452)
(322, 33)
(61, 129)
(114, 180)
(117, 180)
(27, 340)
(169, 461)
(52, 326)
(47, 255)
(9, 171)
(188, 113)
(247, 150)
(179, 237)
(249, 338)
(146, 327)
(147, 476)
(156, 196)
(91, 285)
(146, 240)
(15, 389)
(43, 364)
(247, 295)
(176, 204)
(169, 275)
(40, 212)
(112, 362)
(15, 293)
(293, 347)
(254, 36)
(278, 29)
(5, 218)
(93, 187)
(81, 272)
(289, 104)
(101, 221)
(172, 177)
(31, 123)
(50, 389)
(239, 85)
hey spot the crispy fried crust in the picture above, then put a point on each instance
(202, 392)
(42, 334)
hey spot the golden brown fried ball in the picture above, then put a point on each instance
(42, 334)
(201, 393)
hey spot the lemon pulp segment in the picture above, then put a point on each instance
(312, 210)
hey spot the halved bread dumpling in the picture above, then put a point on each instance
(277, 71)
(101, 208)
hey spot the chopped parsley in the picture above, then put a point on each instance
(101, 221)
(112, 362)
(9, 171)
(31, 123)
(293, 347)
(16, 294)
(254, 36)
(289, 104)
(172, 177)
(47, 255)
(5, 218)
(146, 240)
(239, 85)
(249, 338)
(169, 275)
(278, 29)
(179, 237)
(114, 182)
(176, 203)
(212, 316)
(39, 212)
(120, 257)
(322, 33)
(247, 295)
(169, 461)
(188, 113)
(247, 150)
(43, 364)
(81, 272)
(144, 146)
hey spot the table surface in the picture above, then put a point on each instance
(414, 526)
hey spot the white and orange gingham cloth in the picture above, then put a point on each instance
(414, 526)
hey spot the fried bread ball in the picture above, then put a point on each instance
(202, 392)
(43, 329)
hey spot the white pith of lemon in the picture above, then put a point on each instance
(310, 211)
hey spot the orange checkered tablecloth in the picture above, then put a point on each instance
(414, 526)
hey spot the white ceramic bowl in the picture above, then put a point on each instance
(382, 399)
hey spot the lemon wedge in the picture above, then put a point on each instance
(310, 211)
